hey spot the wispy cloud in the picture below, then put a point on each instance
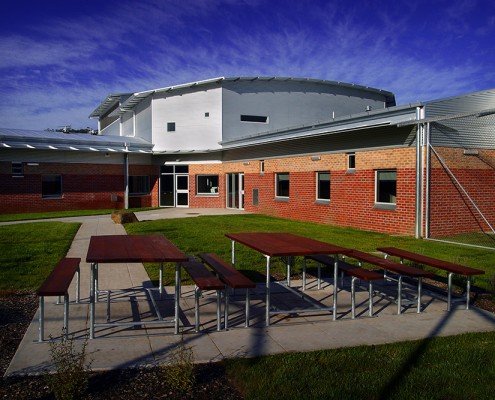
(56, 72)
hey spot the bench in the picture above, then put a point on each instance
(57, 284)
(451, 268)
(348, 269)
(399, 269)
(232, 278)
(203, 280)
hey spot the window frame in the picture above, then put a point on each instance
(52, 196)
(381, 203)
(198, 193)
(145, 193)
(277, 195)
(349, 155)
(318, 198)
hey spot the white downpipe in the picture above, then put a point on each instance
(126, 178)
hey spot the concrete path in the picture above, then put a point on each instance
(122, 348)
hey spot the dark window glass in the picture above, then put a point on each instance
(254, 118)
(167, 169)
(51, 186)
(207, 184)
(386, 186)
(282, 185)
(351, 160)
(17, 169)
(181, 169)
(170, 126)
(323, 179)
(139, 185)
(256, 194)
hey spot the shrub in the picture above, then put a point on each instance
(179, 371)
(123, 217)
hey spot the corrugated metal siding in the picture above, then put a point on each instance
(340, 142)
(467, 132)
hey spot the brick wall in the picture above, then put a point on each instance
(84, 186)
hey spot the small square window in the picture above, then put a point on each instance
(17, 169)
(207, 114)
(282, 184)
(51, 186)
(323, 186)
(170, 126)
(351, 160)
(386, 187)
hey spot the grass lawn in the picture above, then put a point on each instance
(28, 252)
(206, 234)
(456, 367)
(61, 214)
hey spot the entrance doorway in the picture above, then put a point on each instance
(235, 190)
(174, 186)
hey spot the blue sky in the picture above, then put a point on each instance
(59, 59)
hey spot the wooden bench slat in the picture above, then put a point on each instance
(232, 277)
(400, 269)
(58, 282)
(358, 272)
(432, 262)
(202, 277)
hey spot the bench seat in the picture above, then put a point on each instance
(57, 284)
(233, 278)
(451, 268)
(203, 280)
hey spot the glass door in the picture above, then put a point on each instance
(167, 190)
(241, 191)
(182, 190)
(174, 186)
(235, 190)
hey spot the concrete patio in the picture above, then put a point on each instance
(135, 347)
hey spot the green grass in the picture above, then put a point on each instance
(28, 252)
(207, 234)
(61, 214)
(456, 367)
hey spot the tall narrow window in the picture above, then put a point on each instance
(17, 169)
(323, 186)
(51, 186)
(139, 185)
(262, 166)
(386, 187)
(282, 184)
(351, 161)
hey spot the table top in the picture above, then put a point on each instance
(285, 244)
(133, 248)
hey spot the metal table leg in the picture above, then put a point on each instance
(177, 297)
(267, 311)
(335, 285)
(399, 295)
(449, 292)
(160, 280)
(468, 291)
(92, 301)
(420, 281)
(304, 275)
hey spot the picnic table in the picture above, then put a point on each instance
(130, 249)
(287, 245)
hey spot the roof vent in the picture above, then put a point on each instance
(368, 108)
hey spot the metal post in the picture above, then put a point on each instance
(41, 327)
(66, 315)
(177, 297)
(219, 305)
(160, 280)
(126, 180)
(232, 256)
(420, 281)
(449, 292)
(371, 298)
(399, 295)
(468, 291)
(197, 293)
(288, 270)
(108, 305)
(97, 288)
(353, 297)
(267, 311)
(304, 275)
(335, 285)
(226, 317)
(78, 285)
(419, 180)
(319, 276)
(247, 308)
(92, 301)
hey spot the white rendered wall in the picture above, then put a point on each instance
(143, 120)
(187, 108)
(127, 124)
(112, 130)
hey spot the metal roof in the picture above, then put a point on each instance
(22, 138)
(107, 104)
(135, 98)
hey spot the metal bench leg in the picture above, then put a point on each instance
(288, 271)
(247, 309)
(78, 285)
(449, 292)
(41, 327)
(371, 299)
(160, 280)
(66, 315)
(335, 285)
(342, 279)
(226, 317)
(319, 276)
(92, 302)
(399, 295)
(197, 293)
(468, 291)
(108, 305)
(267, 311)
(177, 298)
(219, 307)
(97, 286)
(353, 297)
(420, 281)
(304, 275)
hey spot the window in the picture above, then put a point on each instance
(351, 160)
(323, 186)
(207, 184)
(139, 185)
(386, 187)
(282, 184)
(170, 126)
(17, 169)
(262, 166)
(51, 186)
(207, 114)
(260, 119)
